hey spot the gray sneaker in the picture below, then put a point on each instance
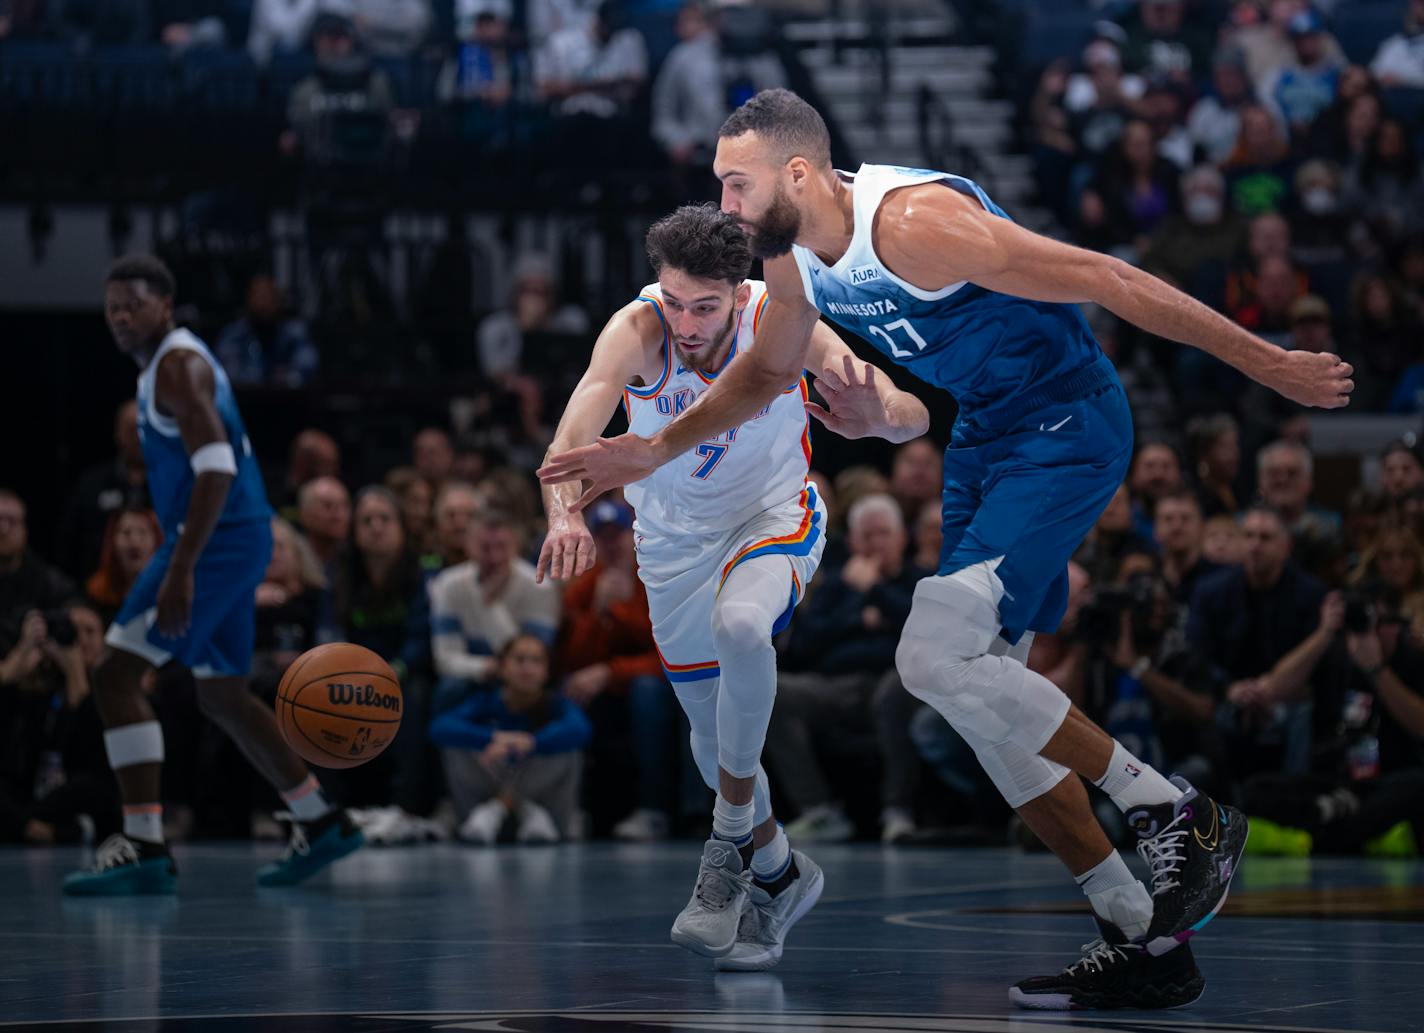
(708, 925)
(764, 926)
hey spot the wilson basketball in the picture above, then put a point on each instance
(339, 705)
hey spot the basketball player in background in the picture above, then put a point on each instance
(727, 537)
(193, 602)
(935, 275)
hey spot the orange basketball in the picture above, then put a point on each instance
(339, 705)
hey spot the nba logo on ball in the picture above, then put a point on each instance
(339, 705)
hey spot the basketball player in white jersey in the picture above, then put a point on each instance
(728, 536)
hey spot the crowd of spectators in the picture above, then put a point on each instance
(1221, 621)
(1226, 619)
(1233, 150)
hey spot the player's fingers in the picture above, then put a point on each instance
(869, 375)
(1345, 386)
(1345, 369)
(583, 556)
(830, 380)
(824, 415)
(849, 364)
(545, 558)
(559, 472)
(589, 497)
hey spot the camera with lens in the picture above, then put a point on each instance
(59, 627)
(1144, 597)
(1370, 604)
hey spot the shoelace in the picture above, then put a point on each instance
(1164, 855)
(716, 888)
(298, 843)
(1097, 956)
(115, 851)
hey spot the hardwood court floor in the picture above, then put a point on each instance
(575, 938)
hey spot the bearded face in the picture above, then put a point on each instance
(773, 234)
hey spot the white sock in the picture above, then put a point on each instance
(308, 801)
(144, 821)
(732, 821)
(1131, 783)
(1117, 897)
(771, 861)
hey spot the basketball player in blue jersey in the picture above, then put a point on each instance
(727, 537)
(933, 274)
(194, 602)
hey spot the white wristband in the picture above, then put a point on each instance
(216, 457)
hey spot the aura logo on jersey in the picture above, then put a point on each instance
(864, 274)
(345, 694)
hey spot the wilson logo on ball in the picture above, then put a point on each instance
(342, 694)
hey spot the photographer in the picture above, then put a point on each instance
(1140, 680)
(1368, 764)
(1262, 628)
(55, 782)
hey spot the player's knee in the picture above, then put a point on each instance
(739, 627)
(222, 702)
(118, 675)
(952, 623)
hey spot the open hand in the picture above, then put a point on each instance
(606, 464)
(855, 409)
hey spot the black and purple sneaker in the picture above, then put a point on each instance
(1113, 973)
(1192, 848)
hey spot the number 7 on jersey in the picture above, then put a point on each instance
(711, 456)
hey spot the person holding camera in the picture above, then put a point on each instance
(1367, 769)
(1139, 679)
(1263, 628)
(55, 782)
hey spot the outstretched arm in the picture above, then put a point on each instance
(871, 407)
(184, 389)
(619, 355)
(741, 391)
(935, 237)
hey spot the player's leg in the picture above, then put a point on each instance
(754, 603)
(321, 832)
(136, 860)
(708, 924)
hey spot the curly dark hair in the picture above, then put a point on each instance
(701, 241)
(790, 125)
(147, 268)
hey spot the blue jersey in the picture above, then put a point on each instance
(170, 477)
(1000, 356)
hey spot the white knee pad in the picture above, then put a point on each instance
(947, 657)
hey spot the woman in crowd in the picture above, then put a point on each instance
(1394, 564)
(515, 752)
(133, 535)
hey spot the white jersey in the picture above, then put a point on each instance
(725, 481)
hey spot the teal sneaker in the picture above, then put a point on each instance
(312, 847)
(125, 867)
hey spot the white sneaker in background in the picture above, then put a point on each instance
(642, 826)
(483, 823)
(536, 825)
(824, 823)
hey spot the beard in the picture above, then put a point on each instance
(711, 350)
(778, 229)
